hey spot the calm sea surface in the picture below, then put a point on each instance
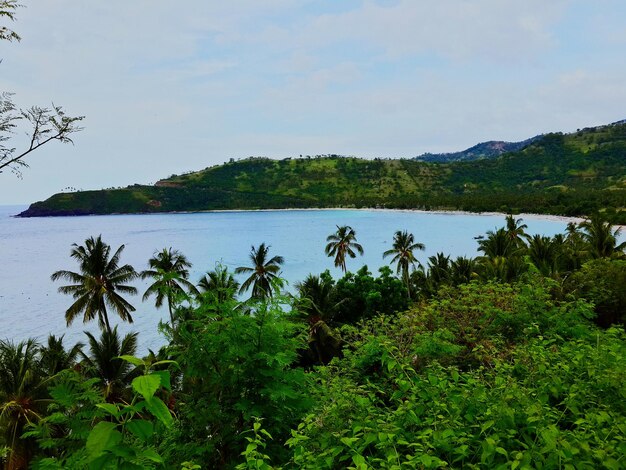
(32, 249)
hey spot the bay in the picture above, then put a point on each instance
(32, 249)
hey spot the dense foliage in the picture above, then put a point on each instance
(514, 359)
(573, 174)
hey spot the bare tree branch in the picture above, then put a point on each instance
(46, 125)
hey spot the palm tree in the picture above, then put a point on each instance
(516, 229)
(403, 246)
(263, 273)
(104, 363)
(317, 298)
(54, 356)
(318, 303)
(23, 397)
(601, 239)
(342, 243)
(219, 283)
(498, 244)
(169, 270)
(97, 284)
(439, 268)
(544, 253)
(463, 270)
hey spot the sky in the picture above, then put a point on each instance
(170, 87)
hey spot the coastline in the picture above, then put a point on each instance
(524, 215)
(551, 217)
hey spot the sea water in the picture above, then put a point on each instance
(32, 249)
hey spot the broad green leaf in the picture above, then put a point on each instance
(133, 360)
(165, 378)
(124, 451)
(150, 454)
(101, 463)
(146, 385)
(102, 437)
(109, 408)
(166, 361)
(141, 428)
(349, 440)
(156, 406)
(501, 450)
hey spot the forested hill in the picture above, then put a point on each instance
(491, 149)
(568, 174)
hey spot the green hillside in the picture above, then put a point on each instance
(571, 174)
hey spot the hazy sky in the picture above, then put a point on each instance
(168, 87)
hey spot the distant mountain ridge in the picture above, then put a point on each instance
(571, 174)
(490, 149)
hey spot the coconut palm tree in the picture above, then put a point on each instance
(544, 253)
(317, 297)
(601, 239)
(263, 273)
(318, 305)
(463, 270)
(439, 268)
(573, 248)
(54, 357)
(342, 243)
(98, 284)
(403, 246)
(169, 269)
(516, 229)
(219, 283)
(103, 362)
(498, 244)
(23, 398)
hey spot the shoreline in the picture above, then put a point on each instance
(551, 217)
(524, 215)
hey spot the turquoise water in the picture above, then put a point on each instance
(32, 249)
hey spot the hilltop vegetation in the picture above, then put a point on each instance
(572, 174)
(490, 149)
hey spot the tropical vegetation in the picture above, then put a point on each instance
(513, 359)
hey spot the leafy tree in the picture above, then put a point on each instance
(23, 398)
(238, 367)
(169, 270)
(264, 272)
(365, 296)
(601, 281)
(342, 243)
(403, 247)
(219, 283)
(97, 284)
(103, 362)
